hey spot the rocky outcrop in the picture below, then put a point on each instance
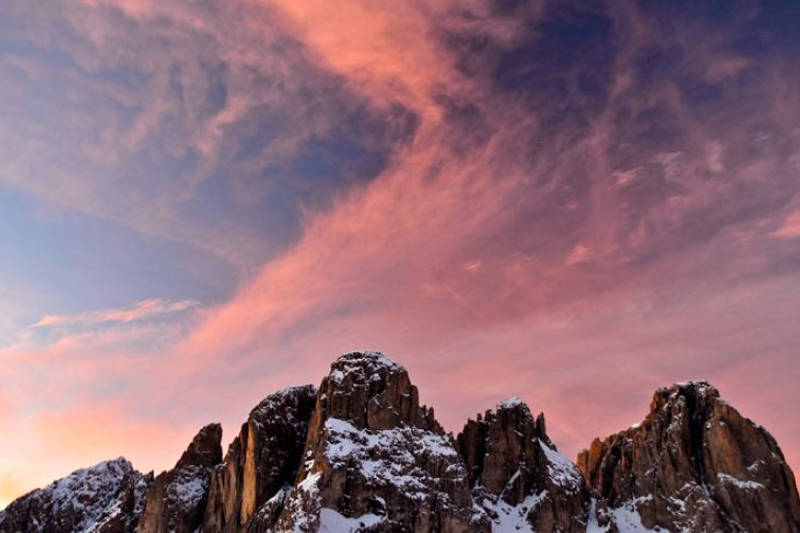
(361, 454)
(519, 481)
(106, 498)
(375, 458)
(371, 392)
(693, 464)
(176, 500)
(261, 465)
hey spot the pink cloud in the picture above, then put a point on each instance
(453, 262)
(790, 228)
(138, 311)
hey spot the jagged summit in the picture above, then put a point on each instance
(275, 401)
(371, 391)
(359, 453)
(364, 361)
(700, 389)
(105, 497)
(511, 403)
(374, 455)
(177, 498)
(518, 480)
(249, 488)
(693, 464)
(204, 449)
(682, 391)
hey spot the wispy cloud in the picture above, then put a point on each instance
(194, 123)
(558, 201)
(790, 227)
(139, 311)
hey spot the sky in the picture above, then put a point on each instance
(572, 202)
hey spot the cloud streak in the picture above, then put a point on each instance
(139, 311)
(575, 204)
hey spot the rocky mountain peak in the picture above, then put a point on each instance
(694, 463)
(176, 500)
(370, 391)
(204, 450)
(360, 454)
(518, 480)
(105, 498)
(374, 456)
(698, 397)
(247, 490)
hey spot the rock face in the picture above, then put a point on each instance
(374, 458)
(176, 500)
(361, 454)
(261, 463)
(519, 481)
(106, 498)
(693, 464)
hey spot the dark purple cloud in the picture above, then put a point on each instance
(572, 202)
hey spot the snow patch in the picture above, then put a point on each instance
(563, 471)
(360, 361)
(90, 495)
(740, 483)
(510, 403)
(309, 484)
(625, 517)
(593, 526)
(333, 522)
(189, 491)
(504, 517)
(628, 520)
(347, 444)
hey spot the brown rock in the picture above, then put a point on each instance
(261, 463)
(518, 478)
(362, 455)
(176, 500)
(371, 392)
(693, 464)
(375, 457)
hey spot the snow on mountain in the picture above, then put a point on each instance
(360, 454)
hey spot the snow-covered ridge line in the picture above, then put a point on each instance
(361, 453)
(89, 498)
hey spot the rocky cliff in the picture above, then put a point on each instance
(375, 456)
(693, 464)
(177, 498)
(248, 488)
(361, 454)
(518, 479)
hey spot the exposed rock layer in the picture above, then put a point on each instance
(176, 500)
(693, 464)
(261, 462)
(517, 477)
(375, 455)
(361, 454)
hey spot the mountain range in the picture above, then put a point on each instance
(359, 453)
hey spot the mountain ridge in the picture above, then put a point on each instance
(359, 453)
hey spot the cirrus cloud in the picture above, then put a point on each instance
(573, 203)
